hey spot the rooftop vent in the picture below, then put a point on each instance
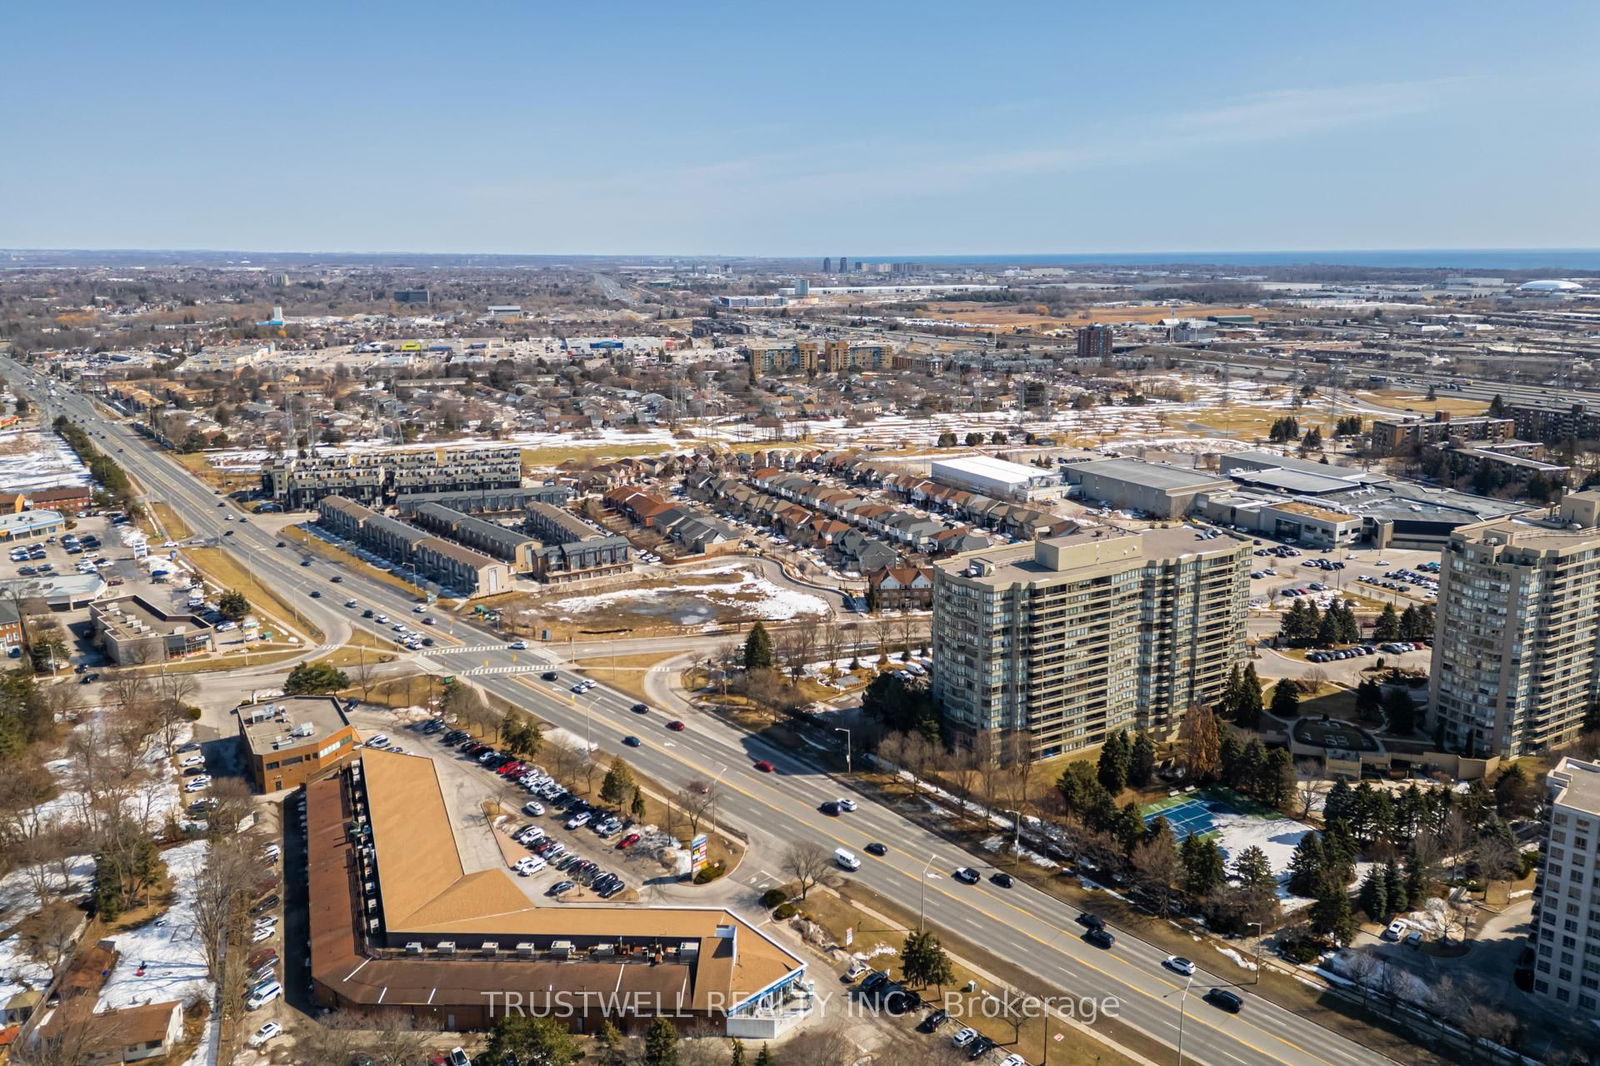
(446, 947)
(414, 947)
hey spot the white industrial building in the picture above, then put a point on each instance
(993, 477)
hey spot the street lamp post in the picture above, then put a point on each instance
(1183, 1003)
(922, 897)
(846, 732)
(1016, 828)
(1258, 929)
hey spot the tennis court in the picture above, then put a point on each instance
(1192, 814)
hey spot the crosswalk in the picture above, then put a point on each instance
(514, 668)
(462, 649)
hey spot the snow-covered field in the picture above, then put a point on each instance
(30, 460)
(167, 950)
(18, 973)
(747, 592)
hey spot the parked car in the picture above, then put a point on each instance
(265, 1033)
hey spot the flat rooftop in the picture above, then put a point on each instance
(291, 722)
(987, 466)
(425, 893)
(1575, 783)
(130, 616)
(1150, 475)
(1086, 548)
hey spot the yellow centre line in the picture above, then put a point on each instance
(825, 829)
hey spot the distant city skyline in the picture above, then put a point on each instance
(631, 129)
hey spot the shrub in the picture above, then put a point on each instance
(774, 897)
(785, 912)
(710, 873)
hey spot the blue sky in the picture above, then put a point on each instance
(817, 128)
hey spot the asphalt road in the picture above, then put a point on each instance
(1021, 924)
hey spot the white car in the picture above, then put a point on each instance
(263, 995)
(518, 645)
(1396, 930)
(964, 1037)
(192, 760)
(1179, 964)
(197, 784)
(532, 808)
(271, 853)
(262, 932)
(530, 865)
(266, 1033)
(578, 820)
(1013, 1060)
(846, 804)
(379, 741)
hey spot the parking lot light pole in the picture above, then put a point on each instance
(846, 732)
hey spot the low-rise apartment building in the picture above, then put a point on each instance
(1071, 638)
(570, 549)
(1409, 436)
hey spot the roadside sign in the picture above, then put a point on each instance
(698, 851)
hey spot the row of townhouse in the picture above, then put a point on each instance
(451, 566)
(1009, 518)
(569, 549)
(798, 523)
(691, 529)
(298, 482)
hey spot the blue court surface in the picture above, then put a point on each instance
(1189, 815)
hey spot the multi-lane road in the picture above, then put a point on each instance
(1023, 925)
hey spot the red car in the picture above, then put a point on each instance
(765, 767)
(511, 768)
(676, 727)
(628, 841)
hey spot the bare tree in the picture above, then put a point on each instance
(232, 802)
(397, 1039)
(961, 768)
(1454, 836)
(331, 1039)
(695, 800)
(820, 1045)
(1307, 785)
(52, 934)
(806, 861)
(73, 1036)
(172, 712)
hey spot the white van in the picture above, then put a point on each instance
(846, 859)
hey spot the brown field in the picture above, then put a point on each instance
(169, 521)
(1400, 399)
(1008, 315)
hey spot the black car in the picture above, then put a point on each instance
(829, 808)
(229, 533)
(367, 613)
(337, 579)
(1003, 880)
(265, 905)
(305, 562)
(980, 1047)
(877, 849)
(1100, 937)
(548, 675)
(1090, 921)
(874, 980)
(283, 544)
(88, 679)
(640, 708)
(316, 594)
(931, 1023)
(1222, 998)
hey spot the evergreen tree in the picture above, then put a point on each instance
(1286, 698)
(1387, 627)
(533, 1039)
(1115, 760)
(1247, 709)
(1328, 631)
(1401, 710)
(1203, 869)
(1394, 887)
(1337, 805)
(1230, 759)
(758, 649)
(1142, 762)
(613, 1046)
(618, 786)
(661, 1043)
(736, 1055)
(923, 961)
(1369, 701)
(1374, 896)
(1331, 915)
(1277, 779)
(763, 1057)
(1227, 705)
(1307, 866)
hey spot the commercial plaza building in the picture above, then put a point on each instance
(1518, 642)
(1566, 897)
(294, 740)
(399, 925)
(1069, 639)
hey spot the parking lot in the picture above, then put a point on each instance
(1363, 574)
(473, 790)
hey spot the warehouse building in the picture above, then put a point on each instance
(1135, 485)
(399, 925)
(993, 477)
(1281, 518)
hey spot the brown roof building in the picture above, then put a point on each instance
(398, 923)
(295, 740)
